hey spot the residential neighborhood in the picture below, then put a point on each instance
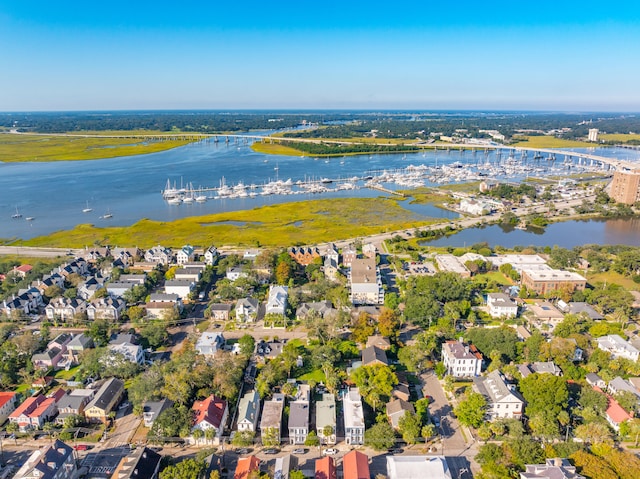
(377, 371)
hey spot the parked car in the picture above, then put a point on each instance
(330, 452)
(271, 451)
(300, 450)
(244, 450)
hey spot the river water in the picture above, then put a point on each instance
(128, 188)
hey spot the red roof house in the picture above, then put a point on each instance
(246, 465)
(34, 412)
(326, 468)
(356, 465)
(7, 405)
(210, 413)
(22, 270)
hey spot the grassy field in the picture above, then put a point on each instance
(619, 137)
(551, 142)
(275, 149)
(613, 277)
(15, 148)
(306, 222)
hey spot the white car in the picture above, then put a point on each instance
(330, 452)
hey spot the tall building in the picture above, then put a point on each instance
(593, 134)
(625, 187)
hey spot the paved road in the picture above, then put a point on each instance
(38, 252)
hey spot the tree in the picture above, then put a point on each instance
(270, 437)
(100, 331)
(210, 434)
(428, 431)
(312, 439)
(172, 422)
(380, 436)
(247, 344)
(375, 382)
(409, 427)
(284, 271)
(362, 328)
(296, 474)
(155, 334)
(388, 322)
(243, 438)
(471, 410)
(544, 393)
(187, 469)
(197, 435)
(484, 431)
(503, 339)
(593, 432)
(593, 466)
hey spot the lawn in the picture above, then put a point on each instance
(316, 375)
(550, 142)
(613, 277)
(619, 137)
(275, 149)
(14, 148)
(308, 222)
(67, 375)
(496, 276)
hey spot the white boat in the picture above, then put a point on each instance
(30, 218)
(17, 214)
(201, 198)
(87, 209)
(175, 200)
(107, 215)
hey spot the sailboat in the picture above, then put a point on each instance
(107, 215)
(17, 214)
(87, 209)
(30, 218)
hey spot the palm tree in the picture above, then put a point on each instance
(210, 434)
(198, 434)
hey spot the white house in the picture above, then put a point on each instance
(159, 255)
(503, 399)
(365, 282)
(209, 343)
(211, 413)
(618, 347)
(211, 255)
(500, 305)
(353, 417)
(277, 301)
(181, 287)
(131, 352)
(247, 310)
(235, 273)
(248, 411)
(460, 359)
(185, 254)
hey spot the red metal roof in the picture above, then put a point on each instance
(210, 410)
(325, 468)
(356, 465)
(245, 466)
(6, 397)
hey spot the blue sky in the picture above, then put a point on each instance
(139, 54)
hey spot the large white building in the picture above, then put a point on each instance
(618, 347)
(501, 305)
(353, 417)
(417, 467)
(365, 282)
(461, 360)
(277, 301)
(504, 400)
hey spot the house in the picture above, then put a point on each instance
(55, 461)
(452, 264)
(271, 420)
(330, 269)
(246, 466)
(501, 305)
(269, 350)
(109, 307)
(546, 312)
(618, 347)
(326, 419)
(90, 286)
(191, 274)
(396, 409)
(369, 250)
(220, 311)
(65, 308)
(304, 255)
(73, 403)
(594, 380)
(7, 405)
(185, 254)
(365, 282)
(374, 355)
(326, 468)
(22, 271)
(140, 463)
(211, 255)
(133, 278)
(131, 352)
(299, 415)
(579, 308)
(158, 255)
(210, 413)
(236, 273)
(181, 287)
(618, 385)
(353, 417)
(284, 465)
(503, 399)
(248, 411)
(615, 414)
(547, 280)
(332, 253)
(401, 391)
(54, 354)
(209, 343)
(277, 301)
(161, 310)
(247, 310)
(418, 467)
(322, 309)
(34, 412)
(555, 468)
(355, 465)
(460, 359)
(119, 288)
(105, 400)
(349, 255)
(152, 409)
(380, 342)
(548, 367)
